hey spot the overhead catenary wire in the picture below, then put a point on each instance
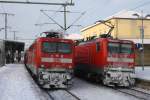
(134, 8)
(52, 19)
(36, 3)
(141, 5)
(65, 11)
(61, 11)
(76, 20)
(27, 1)
(37, 22)
(54, 14)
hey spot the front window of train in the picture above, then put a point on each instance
(113, 48)
(56, 47)
(126, 49)
(49, 47)
(64, 48)
(116, 48)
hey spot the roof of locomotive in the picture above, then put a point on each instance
(106, 39)
(54, 39)
(42, 39)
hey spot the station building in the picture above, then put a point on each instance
(125, 27)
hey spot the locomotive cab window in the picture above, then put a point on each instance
(113, 47)
(56, 47)
(64, 47)
(126, 48)
(49, 47)
(97, 46)
(120, 48)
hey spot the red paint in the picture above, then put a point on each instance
(34, 54)
(86, 54)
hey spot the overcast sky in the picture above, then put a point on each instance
(26, 16)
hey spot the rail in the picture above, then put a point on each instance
(135, 93)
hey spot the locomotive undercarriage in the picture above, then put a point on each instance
(55, 78)
(119, 77)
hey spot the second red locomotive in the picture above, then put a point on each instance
(50, 60)
(108, 60)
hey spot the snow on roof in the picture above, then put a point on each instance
(74, 36)
(122, 14)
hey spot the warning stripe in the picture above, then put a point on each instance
(127, 60)
(61, 60)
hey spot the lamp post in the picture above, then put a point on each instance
(142, 17)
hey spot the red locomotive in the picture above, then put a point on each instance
(108, 60)
(50, 60)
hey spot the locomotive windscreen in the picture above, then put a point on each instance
(126, 48)
(56, 47)
(120, 48)
(113, 48)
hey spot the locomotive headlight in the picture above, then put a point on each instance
(133, 75)
(68, 76)
(45, 76)
(70, 67)
(42, 66)
(119, 68)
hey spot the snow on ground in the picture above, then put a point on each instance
(61, 95)
(17, 84)
(90, 91)
(143, 74)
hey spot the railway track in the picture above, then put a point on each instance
(50, 96)
(77, 98)
(135, 93)
(62, 95)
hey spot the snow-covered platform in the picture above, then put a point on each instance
(17, 84)
(143, 74)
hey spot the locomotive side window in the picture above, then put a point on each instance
(97, 46)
